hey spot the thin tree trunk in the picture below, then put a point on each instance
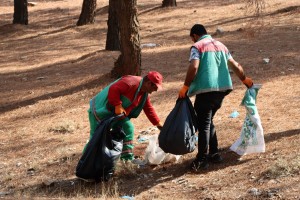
(88, 12)
(169, 3)
(112, 37)
(129, 62)
(20, 12)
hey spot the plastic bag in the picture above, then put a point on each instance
(102, 152)
(154, 155)
(178, 134)
(252, 137)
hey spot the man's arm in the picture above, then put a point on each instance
(239, 71)
(237, 68)
(190, 75)
(114, 96)
(115, 91)
(151, 113)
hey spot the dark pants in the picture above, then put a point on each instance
(206, 106)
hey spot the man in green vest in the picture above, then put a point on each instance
(127, 95)
(209, 79)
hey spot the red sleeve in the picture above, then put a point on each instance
(150, 112)
(115, 91)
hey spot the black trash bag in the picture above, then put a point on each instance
(178, 134)
(102, 152)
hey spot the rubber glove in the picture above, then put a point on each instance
(183, 91)
(159, 126)
(119, 109)
(248, 82)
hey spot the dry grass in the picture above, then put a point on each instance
(63, 127)
(284, 167)
(127, 170)
(255, 6)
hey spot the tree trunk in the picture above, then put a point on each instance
(88, 12)
(129, 62)
(113, 37)
(20, 12)
(169, 3)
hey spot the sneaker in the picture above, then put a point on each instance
(215, 158)
(199, 164)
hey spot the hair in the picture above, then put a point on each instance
(198, 29)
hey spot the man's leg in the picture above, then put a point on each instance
(128, 127)
(213, 155)
(204, 121)
(206, 106)
(93, 123)
(203, 110)
(93, 126)
(213, 142)
(217, 99)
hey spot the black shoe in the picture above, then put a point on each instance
(215, 158)
(199, 164)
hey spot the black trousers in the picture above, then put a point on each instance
(206, 105)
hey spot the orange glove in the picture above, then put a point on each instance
(183, 91)
(119, 110)
(159, 126)
(248, 82)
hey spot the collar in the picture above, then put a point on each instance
(203, 37)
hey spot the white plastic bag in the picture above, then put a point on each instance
(154, 155)
(252, 137)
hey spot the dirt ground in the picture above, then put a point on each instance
(50, 69)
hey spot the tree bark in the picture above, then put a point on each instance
(129, 62)
(169, 3)
(88, 12)
(20, 12)
(112, 37)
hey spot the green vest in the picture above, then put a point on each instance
(100, 105)
(213, 73)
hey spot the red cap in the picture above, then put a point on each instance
(156, 78)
